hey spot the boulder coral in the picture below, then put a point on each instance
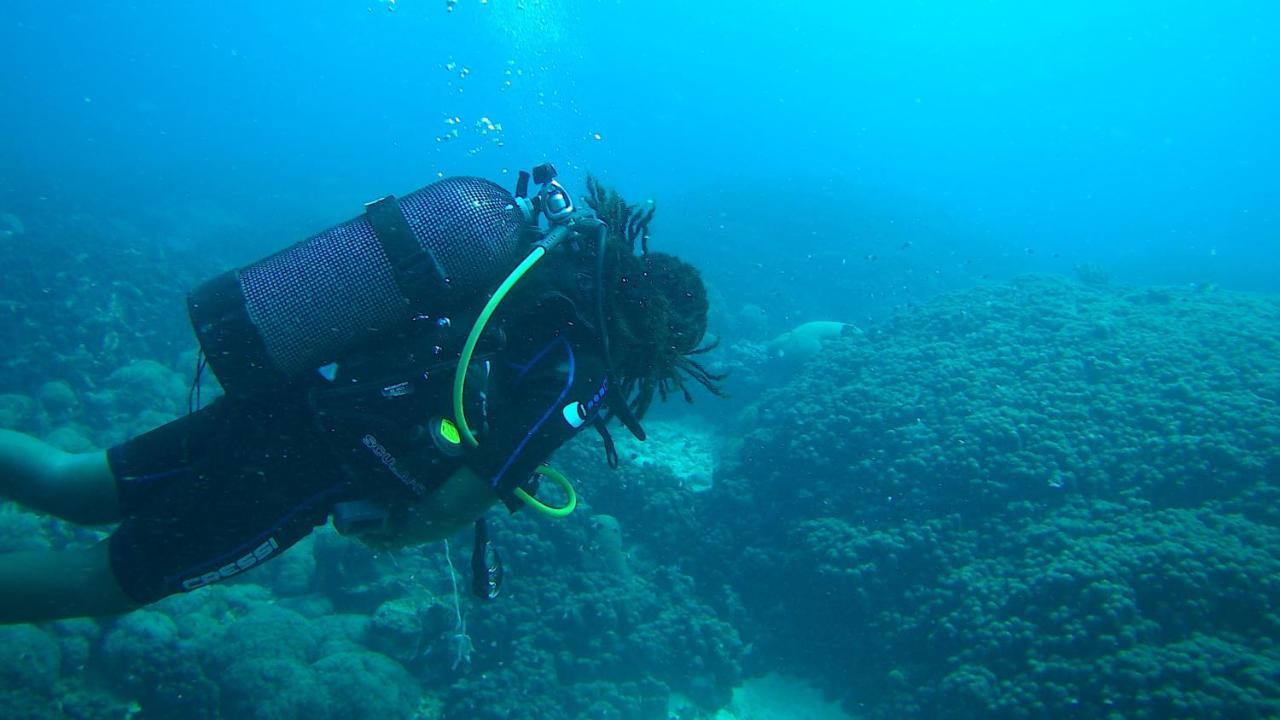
(1031, 499)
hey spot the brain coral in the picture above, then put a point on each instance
(1025, 500)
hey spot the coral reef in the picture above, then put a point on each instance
(684, 450)
(233, 652)
(1026, 500)
(94, 320)
(1043, 498)
(30, 660)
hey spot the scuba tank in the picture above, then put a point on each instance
(429, 253)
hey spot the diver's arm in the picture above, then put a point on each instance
(462, 498)
(78, 487)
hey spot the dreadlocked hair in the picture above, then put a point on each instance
(659, 317)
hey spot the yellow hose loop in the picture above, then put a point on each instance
(571, 497)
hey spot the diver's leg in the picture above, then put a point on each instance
(50, 584)
(74, 486)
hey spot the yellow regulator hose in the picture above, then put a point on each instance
(464, 361)
(571, 497)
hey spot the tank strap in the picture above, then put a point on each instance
(417, 272)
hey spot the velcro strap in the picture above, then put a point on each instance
(417, 273)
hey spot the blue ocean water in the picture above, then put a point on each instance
(995, 137)
(819, 161)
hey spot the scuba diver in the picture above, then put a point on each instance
(399, 373)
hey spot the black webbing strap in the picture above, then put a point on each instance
(610, 450)
(416, 270)
(620, 409)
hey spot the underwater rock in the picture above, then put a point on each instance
(57, 399)
(261, 687)
(241, 595)
(137, 646)
(76, 639)
(293, 573)
(341, 633)
(147, 385)
(29, 659)
(311, 606)
(396, 630)
(357, 578)
(199, 614)
(87, 702)
(367, 685)
(69, 438)
(27, 705)
(266, 631)
(15, 411)
(605, 546)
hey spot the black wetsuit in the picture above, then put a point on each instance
(232, 485)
